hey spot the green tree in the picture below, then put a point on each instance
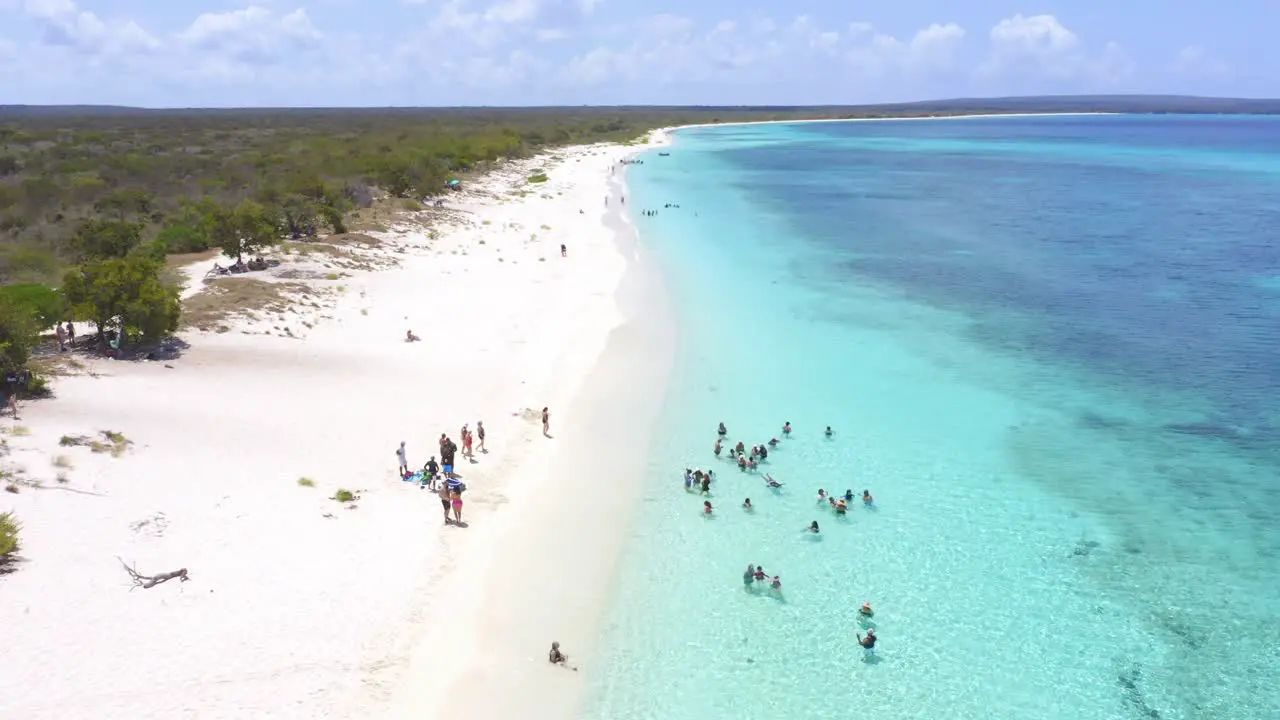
(45, 305)
(99, 239)
(298, 214)
(125, 203)
(19, 333)
(124, 294)
(333, 217)
(247, 229)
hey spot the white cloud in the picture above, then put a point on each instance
(589, 6)
(512, 11)
(931, 50)
(66, 24)
(1041, 48)
(1196, 62)
(546, 35)
(252, 35)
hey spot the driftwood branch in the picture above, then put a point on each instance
(150, 581)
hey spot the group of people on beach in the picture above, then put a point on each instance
(748, 460)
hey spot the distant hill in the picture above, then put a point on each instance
(1167, 104)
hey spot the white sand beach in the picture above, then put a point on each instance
(300, 606)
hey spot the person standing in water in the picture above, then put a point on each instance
(786, 428)
(722, 431)
(718, 447)
(868, 643)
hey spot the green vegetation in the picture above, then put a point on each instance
(10, 529)
(306, 482)
(538, 178)
(345, 496)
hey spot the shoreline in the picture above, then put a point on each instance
(332, 609)
(667, 131)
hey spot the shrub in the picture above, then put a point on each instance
(306, 482)
(538, 178)
(43, 302)
(9, 531)
(344, 496)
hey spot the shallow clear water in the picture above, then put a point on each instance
(1047, 347)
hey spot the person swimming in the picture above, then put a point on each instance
(768, 480)
(706, 507)
(828, 432)
(867, 499)
(866, 611)
(746, 505)
(773, 442)
(721, 431)
(786, 428)
(813, 527)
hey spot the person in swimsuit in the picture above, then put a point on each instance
(786, 428)
(822, 495)
(829, 432)
(768, 480)
(429, 472)
(721, 430)
(706, 484)
(868, 642)
(773, 442)
(813, 527)
(466, 444)
(456, 501)
(718, 447)
(480, 435)
(706, 507)
(776, 583)
(865, 610)
(746, 505)
(867, 499)
(842, 507)
(444, 501)
(555, 657)
(546, 421)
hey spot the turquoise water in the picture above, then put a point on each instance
(1047, 347)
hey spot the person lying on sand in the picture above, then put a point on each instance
(558, 658)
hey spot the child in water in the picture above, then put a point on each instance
(813, 527)
(786, 428)
(706, 507)
(746, 505)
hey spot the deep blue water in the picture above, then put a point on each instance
(1049, 345)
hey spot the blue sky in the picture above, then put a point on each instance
(218, 53)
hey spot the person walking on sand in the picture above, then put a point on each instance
(445, 499)
(480, 435)
(564, 251)
(466, 444)
(404, 462)
(546, 421)
(456, 501)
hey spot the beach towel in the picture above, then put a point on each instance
(413, 477)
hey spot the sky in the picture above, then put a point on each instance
(308, 53)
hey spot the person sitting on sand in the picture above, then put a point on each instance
(746, 505)
(410, 337)
(813, 527)
(786, 428)
(706, 507)
(555, 657)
